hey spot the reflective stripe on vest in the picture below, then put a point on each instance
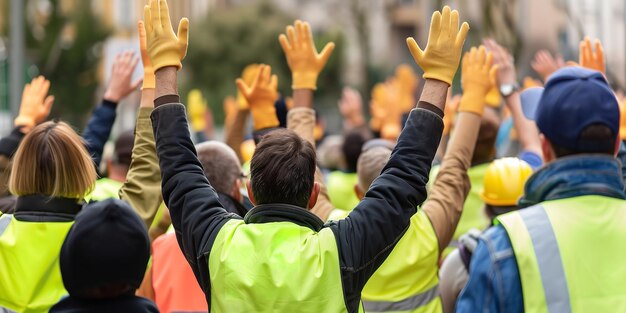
(408, 304)
(548, 259)
(5, 220)
(570, 254)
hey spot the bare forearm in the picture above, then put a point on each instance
(303, 98)
(526, 129)
(435, 92)
(166, 82)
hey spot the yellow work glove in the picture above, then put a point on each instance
(164, 47)
(148, 71)
(530, 82)
(477, 78)
(377, 109)
(590, 59)
(197, 109)
(622, 120)
(261, 97)
(441, 57)
(35, 105)
(304, 61)
(248, 75)
(493, 97)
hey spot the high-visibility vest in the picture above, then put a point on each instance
(473, 215)
(408, 280)
(105, 188)
(570, 254)
(175, 286)
(30, 276)
(275, 267)
(340, 187)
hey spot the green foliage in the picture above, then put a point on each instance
(225, 41)
(68, 55)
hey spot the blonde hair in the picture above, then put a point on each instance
(52, 161)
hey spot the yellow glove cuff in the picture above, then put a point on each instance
(473, 102)
(264, 116)
(149, 81)
(440, 75)
(304, 80)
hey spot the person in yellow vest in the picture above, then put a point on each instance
(51, 174)
(341, 183)
(281, 257)
(117, 168)
(503, 186)
(408, 280)
(473, 214)
(564, 251)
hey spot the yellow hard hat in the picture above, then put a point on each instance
(504, 181)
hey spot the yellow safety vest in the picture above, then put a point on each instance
(30, 277)
(340, 187)
(275, 267)
(105, 188)
(570, 254)
(408, 280)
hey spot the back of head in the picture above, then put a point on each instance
(124, 148)
(52, 161)
(485, 143)
(329, 151)
(370, 165)
(504, 184)
(351, 148)
(220, 164)
(577, 112)
(282, 169)
(106, 251)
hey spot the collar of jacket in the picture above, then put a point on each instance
(231, 205)
(575, 176)
(278, 212)
(40, 208)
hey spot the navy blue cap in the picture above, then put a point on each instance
(573, 99)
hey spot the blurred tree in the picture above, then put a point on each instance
(500, 23)
(63, 41)
(227, 40)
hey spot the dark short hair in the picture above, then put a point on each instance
(602, 137)
(282, 169)
(352, 145)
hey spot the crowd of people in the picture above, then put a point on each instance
(505, 198)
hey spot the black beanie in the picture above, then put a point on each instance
(108, 244)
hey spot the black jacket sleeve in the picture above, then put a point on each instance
(197, 214)
(367, 236)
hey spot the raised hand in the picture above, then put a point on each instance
(261, 96)
(304, 61)
(545, 64)
(148, 70)
(165, 48)
(478, 77)
(440, 59)
(592, 59)
(36, 104)
(121, 84)
(351, 108)
(504, 60)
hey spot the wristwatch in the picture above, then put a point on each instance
(508, 89)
